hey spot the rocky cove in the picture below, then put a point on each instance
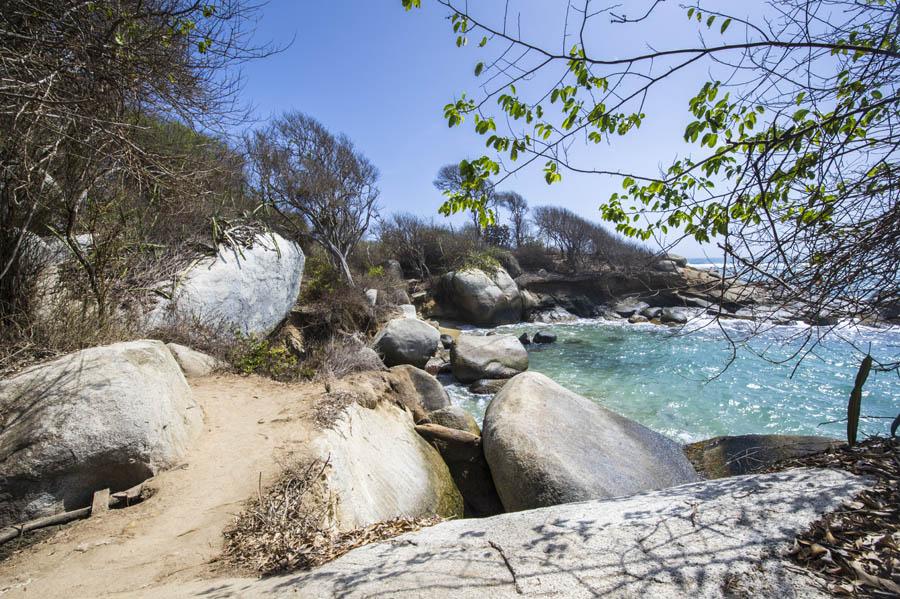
(544, 493)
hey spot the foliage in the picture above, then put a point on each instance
(375, 271)
(319, 277)
(254, 355)
(794, 167)
(479, 260)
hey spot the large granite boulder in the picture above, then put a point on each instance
(479, 297)
(380, 468)
(475, 357)
(724, 538)
(457, 418)
(742, 454)
(674, 316)
(628, 307)
(547, 445)
(194, 363)
(464, 456)
(406, 341)
(251, 288)
(416, 385)
(105, 417)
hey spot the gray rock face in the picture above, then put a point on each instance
(651, 313)
(487, 386)
(742, 454)
(490, 357)
(673, 315)
(252, 289)
(666, 266)
(446, 341)
(457, 418)
(544, 337)
(679, 261)
(482, 298)
(701, 541)
(192, 362)
(381, 469)
(406, 341)
(626, 308)
(104, 417)
(393, 269)
(464, 457)
(524, 339)
(547, 445)
(637, 318)
(555, 314)
(430, 393)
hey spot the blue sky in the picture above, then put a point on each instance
(382, 76)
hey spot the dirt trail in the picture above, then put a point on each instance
(251, 426)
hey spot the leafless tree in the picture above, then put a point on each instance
(518, 215)
(570, 233)
(318, 182)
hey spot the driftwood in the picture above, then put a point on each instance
(120, 499)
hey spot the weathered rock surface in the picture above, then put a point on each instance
(481, 298)
(555, 314)
(104, 417)
(547, 445)
(487, 386)
(651, 313)
(706, 540)
(252, 289)
(416, 384)
(393, 269)
(380, 468)
(674, 316)
(626, 308)
(464, 456)
(192, 362)
(457, 418)
(544, 337)
(406, 341)
(476, 357)
(637, 319)
(741, 454)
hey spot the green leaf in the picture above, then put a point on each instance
(725, 25)
(483, 42)
(478, 68)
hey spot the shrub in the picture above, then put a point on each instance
(253, 355)
(375, 271)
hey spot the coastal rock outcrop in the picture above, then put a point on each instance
(105, 417)
(406, 341)
(419, 388)
(709, 539)
(674, 316)
(251, 288)
(475, 357)
(457, 418)
(464, 456)
(479, 297)
(380, 468)
(547, 445)
(742, 454)
(628, 307)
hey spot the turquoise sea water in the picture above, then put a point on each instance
(676, 381)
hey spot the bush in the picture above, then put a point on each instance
(533, 257)
(253, 355)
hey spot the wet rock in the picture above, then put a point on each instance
(476, 357)
(544, 337)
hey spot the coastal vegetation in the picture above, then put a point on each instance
(221, 348)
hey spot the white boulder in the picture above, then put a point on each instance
(251, 288)
(192, 362)
(104, 417)
(479, 297)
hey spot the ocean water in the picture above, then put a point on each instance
(688, 383)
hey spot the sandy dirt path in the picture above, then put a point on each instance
(252, 425)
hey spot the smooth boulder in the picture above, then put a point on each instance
(380, 468)
(464, 457)
(544, 337)
(673, 316)
(422, 392)
(406, 341)
(105, 417)
(742, 454)
(547, 445)
(457, 418)
(475, 357)
(487, 386)
(251, 288)
(479, 297)
(194, 363)
(627, 307)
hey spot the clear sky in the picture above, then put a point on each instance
(382, 76)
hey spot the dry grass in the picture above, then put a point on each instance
(290, 526)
